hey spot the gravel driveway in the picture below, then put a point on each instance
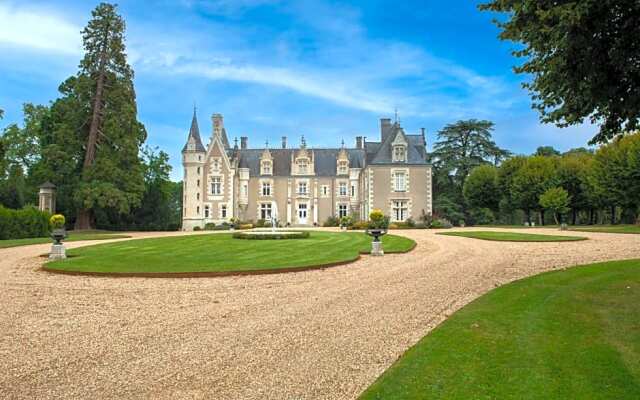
(309, 335)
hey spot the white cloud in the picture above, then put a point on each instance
(38, 29)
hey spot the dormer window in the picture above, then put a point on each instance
(303, 166)
(343, 167)
(266, 168)
(399, 153)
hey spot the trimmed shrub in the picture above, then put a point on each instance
(359, 225)
(346, 221)
(332, 221)
(441, 223)
(28, 222)
(209, 226)
(197, 228)
(222, 227)
(482, 216)
(245, 226)
(261, 223)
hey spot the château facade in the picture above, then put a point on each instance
(304, 186)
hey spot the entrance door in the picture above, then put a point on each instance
(302, 214)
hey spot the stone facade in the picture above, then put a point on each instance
(304, 186)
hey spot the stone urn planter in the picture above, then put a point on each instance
(343, 228)
(376, 244)
(58, 251)
(58, 233)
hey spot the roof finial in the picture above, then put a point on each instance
(396, 114)
(303, 142)
(235, 142)
(343, 143)
(266, 144)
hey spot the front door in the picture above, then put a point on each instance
(302, 214)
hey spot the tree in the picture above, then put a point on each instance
(481, 188)
(584, 57)
(460, 148)
(555, 200)
(535, 176)
(547, 151)
(573, 175)
(93, 131)
(22, 145)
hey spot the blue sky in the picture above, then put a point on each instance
(323, 69)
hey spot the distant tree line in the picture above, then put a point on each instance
(491, 186)
(90, 144)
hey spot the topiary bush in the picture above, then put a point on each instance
(332, 221)
(197, 228)
(209, 226)
(57, 221)
(441, 223)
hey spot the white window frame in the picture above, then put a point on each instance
(206, 211)
(399, 181)
(266, 189)
(343, 167)
(306, 188)
(303, 166)
(265, 211)
(216, 185)
(342, 189)
(325, 191)
(223, 211)
(266, 167)
(399, 153)
(343, 210)
(400, 210)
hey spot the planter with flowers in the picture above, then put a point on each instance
(58, 233)
(378, 226)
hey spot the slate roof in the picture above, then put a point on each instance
(325, 160)
(194, 133)
(381, 153)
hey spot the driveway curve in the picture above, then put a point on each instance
(323, 334)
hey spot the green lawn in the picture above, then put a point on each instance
(512, 236)
(572, 334)
(222, 253)
(608, 228)
(73, 237)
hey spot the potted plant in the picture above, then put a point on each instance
(378, 226)
(58, 232)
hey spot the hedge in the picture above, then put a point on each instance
(28, 222)
(271, 236)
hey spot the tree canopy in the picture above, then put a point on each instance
(583, 56)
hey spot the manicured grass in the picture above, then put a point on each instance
(634, 229)
(513, 236)
(222, 253)
(73, 237)
(570, 334)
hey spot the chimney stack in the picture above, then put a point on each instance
(424, 137)
(218, 124)
(359, 142)
(244, 141)
(284, 142)
(385, 128)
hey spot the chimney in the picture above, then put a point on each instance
(359, 142)
(218, 124)
(244, 141)
(385, 128)
(284, 142)
(424, 137)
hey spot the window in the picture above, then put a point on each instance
(245, 189)
(303, 166)
(216, 164)
(266, 188)
(400, 182)
(206, 211)
(216, 185)
(325, 190)
(342, 189)
(400, 210)
(265, 211)
(198, 196)
(223, 211)
(342, 210)
(198, 170)
(266, 168)
(198, 182)
(353, 191)
(399, 153)
(198, 210)
(302, 187)
(343, 168)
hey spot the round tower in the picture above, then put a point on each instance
(193, 160)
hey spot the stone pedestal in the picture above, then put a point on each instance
(376, 249)
(58, 252)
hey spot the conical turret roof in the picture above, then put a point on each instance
(194, 134)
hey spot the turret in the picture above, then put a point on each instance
(193, 159)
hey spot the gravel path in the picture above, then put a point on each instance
(309, 335)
